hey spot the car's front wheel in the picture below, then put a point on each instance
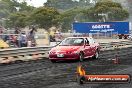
(80, 80)
(81, 57)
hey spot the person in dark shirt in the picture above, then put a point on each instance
(31, 36)
(17, 30)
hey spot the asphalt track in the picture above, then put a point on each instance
(44, 74)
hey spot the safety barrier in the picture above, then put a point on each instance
(34, 53)
(113, 45)
(23, 54)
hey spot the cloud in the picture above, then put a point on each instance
(36, 3)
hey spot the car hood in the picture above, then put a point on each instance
(65, 48)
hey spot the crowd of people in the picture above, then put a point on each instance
(19, 38)
(56, 37)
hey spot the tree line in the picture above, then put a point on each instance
(59, 13)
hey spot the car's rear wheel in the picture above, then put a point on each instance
(96, 56)
(80, 80)
(81, 58)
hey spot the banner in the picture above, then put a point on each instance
(103, 27)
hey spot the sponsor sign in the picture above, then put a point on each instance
(103, 27)
(108, 78)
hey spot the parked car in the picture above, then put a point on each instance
(75, 48)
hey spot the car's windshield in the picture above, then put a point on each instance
(72, 41)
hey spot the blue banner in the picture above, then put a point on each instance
(103, 27)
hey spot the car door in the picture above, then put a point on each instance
(92, 45)
(87, 48)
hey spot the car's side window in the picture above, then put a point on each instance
(79, 41)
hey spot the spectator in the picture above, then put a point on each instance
(52, 38)
(24, 40)
(17, 30)
(13, 40)
(31, 36)
(1, 31)
(58, 36)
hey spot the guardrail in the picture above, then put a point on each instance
(14, 54)
(113, 45)
(33, 53)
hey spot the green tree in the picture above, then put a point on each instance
(4, 11)
(68, 4)
(12, 4)
(24, 7)
(111, 11)
(45, 17)
(12, 9)
(130, 6)
(61, 4)
(84, 3)
(68, 17)
(17, 20)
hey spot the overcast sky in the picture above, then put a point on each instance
(36, 3)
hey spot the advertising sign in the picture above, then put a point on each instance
(103, 27)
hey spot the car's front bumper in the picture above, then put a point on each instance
(65, 57)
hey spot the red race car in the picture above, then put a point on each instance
(75, 48)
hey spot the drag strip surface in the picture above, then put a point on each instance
(44, 74)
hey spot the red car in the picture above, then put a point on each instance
(75, 48)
